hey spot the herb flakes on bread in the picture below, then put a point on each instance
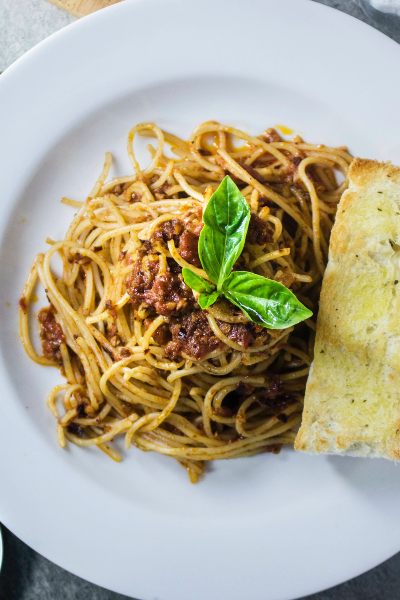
(352, 400)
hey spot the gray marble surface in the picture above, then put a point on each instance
(28, 576)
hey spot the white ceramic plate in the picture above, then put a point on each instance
(275, 527)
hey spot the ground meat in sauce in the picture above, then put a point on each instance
(271, 135)
(234, 399)
(188, 331)
(241, 333)
(76, 430)
(162, 335)
(287, 175)
(124, 353)
(296, 160)
(185, 234)
(259, 231)
(300, 193)
(141, 278)
(111, 327)
(252, 171)
(192, 335)
(274, 397)
(188, 244)
(167, 294)
(168, 230)
(51, 334)
(291, 169)
(194, 221)
(23, 304)
(286, 278)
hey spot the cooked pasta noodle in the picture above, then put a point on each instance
(140, 359)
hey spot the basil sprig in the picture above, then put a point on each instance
(264, 301)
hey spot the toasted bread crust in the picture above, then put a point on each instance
(352, 400)
(364, 170)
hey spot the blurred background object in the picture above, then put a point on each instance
(25, 23)
(383, 13)
(391, 7)
(79, 8)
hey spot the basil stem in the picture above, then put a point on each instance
(196, 282)
(208, 293)
(205, 300)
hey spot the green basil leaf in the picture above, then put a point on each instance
(226, 220)
(196, 282)
(265, 301)
(205, 300)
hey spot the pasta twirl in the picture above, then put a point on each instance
(140, 359)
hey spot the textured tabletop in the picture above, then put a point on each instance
(25, 574)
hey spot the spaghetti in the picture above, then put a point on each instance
(139, 357)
